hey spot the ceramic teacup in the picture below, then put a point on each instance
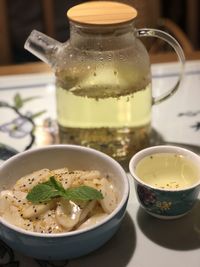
(167, 180)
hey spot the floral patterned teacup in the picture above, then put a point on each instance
(167, 180)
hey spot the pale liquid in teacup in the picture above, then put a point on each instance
(168, 171)
(117, 125)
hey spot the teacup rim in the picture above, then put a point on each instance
(161, 149)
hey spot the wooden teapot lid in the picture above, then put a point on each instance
(101, 13)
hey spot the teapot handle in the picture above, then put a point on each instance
(146, 32)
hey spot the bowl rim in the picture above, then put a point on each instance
(120, 205)
(162, 149)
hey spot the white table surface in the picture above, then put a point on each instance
(142, 241)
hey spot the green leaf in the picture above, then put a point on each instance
(57, 185)
(82, 193)
(18, 102)
(52, 188)
(27, 99)
(33, 116)
(42, 193)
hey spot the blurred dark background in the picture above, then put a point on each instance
(17, 19)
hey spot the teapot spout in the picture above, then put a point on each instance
(42, 46)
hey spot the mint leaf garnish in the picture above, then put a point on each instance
(42, 193)
(82, 193)
(55, 184)
(52, 188)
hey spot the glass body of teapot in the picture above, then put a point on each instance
(104, 91)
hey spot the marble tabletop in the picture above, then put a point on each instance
(27, 103)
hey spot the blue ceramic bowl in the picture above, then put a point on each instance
(165, 203)
(72, 244)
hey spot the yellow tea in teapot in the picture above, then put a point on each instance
(117, 125)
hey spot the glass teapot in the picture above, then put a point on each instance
(103, 78)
